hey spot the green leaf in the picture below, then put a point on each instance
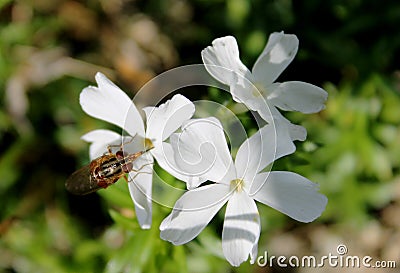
(125, 222)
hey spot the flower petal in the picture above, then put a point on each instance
(264, 147)
(249, 95)
(165, 119)
(241, 229)
(166, 159)
(296, 132)
(134, 144)
(201, 150)
(140, 184)
(244, 91)
(222, 60)
(278, 53)
(273, 116)
(289, 193)
(192, 212)
(100, 140)
(298, 96)
(111, 104)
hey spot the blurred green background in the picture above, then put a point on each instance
(50, 50)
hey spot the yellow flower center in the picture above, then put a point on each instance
(148, 144)
(237, 185)
(258, 90)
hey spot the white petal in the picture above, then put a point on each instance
(296, 132)
(192, 212)
(289, 193)
(201, 150)
(166, 160)
(222, 60)
(264, 147)
(278, 53)
(100, 140)
(165, 119)
(140, 184)
(111, 104)
(133, 144)
(244, 91)
(298, 96)
(273, 116)
(241, 229)
(105, 140)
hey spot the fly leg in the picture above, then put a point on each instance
(137, 171)
(120, 146)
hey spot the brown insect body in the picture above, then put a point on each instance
(101, 172)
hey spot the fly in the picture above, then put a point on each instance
(102, 172)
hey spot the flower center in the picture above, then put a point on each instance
(258, 90)
(237, 185)
(148, 144)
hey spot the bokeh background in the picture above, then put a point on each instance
(50, 50)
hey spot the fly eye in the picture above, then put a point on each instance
(120, 154)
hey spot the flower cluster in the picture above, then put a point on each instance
(196, 150)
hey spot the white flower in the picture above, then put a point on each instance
(111, 104)
(238, 184)
(256, 89)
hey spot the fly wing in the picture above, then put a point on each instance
(81, 182)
